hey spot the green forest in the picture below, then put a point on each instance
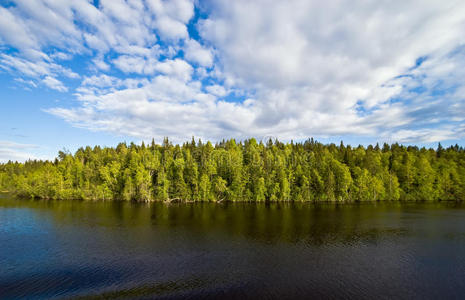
(243, 171)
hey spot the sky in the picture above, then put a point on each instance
(79, 72)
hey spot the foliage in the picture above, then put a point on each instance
(245, 171)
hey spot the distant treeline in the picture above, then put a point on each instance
(245, 171)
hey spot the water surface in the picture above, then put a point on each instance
(73, 249)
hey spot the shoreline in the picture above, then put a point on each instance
(179, 201)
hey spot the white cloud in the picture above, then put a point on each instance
(29, 83)
(54, 84)
(13, 31)
(136, 64)
(61, 55)
(312, 64)
(171, 17)
(306, 68)
(217, 90)
(170, 28)
(35, 69)
(196, 53)
(33, 24)
(164, 106)
(177, 68)
(16, 151)
(428, 135)
(181, 10)
(100, 63)
(101, 81)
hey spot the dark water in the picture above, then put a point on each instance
(67, 249)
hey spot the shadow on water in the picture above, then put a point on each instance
(90, 250)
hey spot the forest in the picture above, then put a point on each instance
(243, 171)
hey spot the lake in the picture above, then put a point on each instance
(73, 249)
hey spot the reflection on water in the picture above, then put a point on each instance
(63, 249)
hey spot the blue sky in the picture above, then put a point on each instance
(76, 73)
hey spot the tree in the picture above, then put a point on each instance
(244, 171)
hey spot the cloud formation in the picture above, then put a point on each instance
(218, 69)
(16, 151)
